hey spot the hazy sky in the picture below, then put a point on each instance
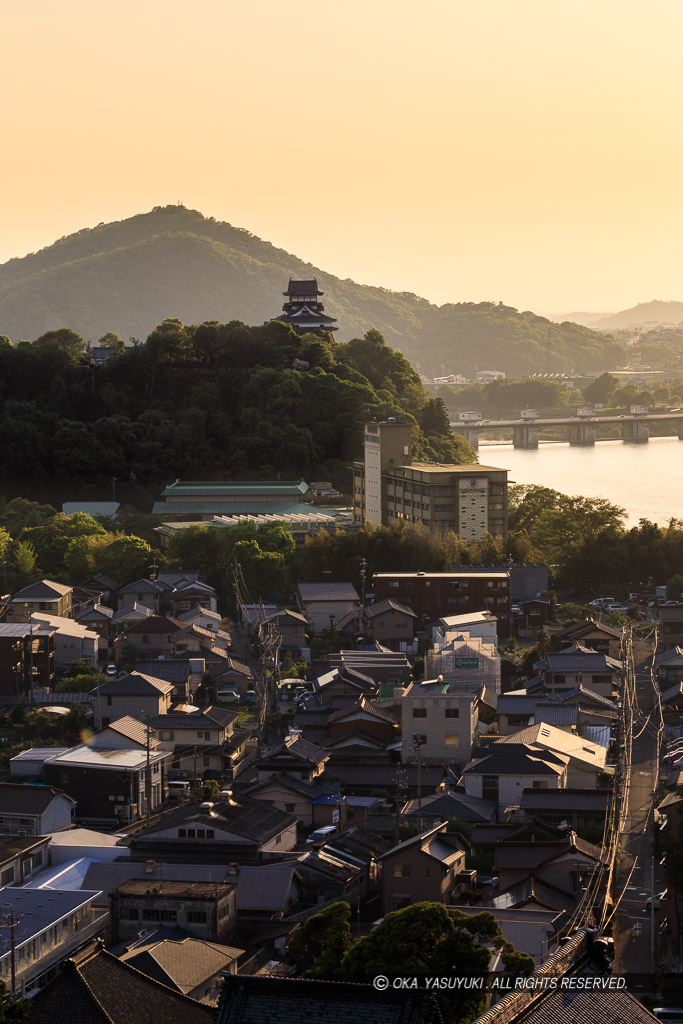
(528, 151)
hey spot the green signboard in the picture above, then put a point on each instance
(466, 663)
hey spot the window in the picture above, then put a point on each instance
(419, 712)
(452, 712)
(197, 916)
(7, 876)
(401, 870)
(166, 734)
(452, 741)
(64, 778)
(145, 638)
(289, 808)
(154, 914)
(109, 700)
(540, 784)
(278, 840)
(128, 914)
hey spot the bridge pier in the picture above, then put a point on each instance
(470, 434)
(525, 436)
(582, 433)
(637, 430)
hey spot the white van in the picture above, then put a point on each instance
(178, 789)
(321, 834)
(227, 697)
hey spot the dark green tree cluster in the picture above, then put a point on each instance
(425, 940)
(36, 541)
(211, 401)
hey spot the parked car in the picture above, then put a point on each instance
(321, 834)
(648, 902)
(111, 670)
(227, 697)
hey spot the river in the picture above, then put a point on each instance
(645, 479)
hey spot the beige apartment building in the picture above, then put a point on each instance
(388, 486)
(439, 719)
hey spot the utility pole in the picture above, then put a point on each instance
(148, 773)
(10, 921)
(153, 567)
(418, 740)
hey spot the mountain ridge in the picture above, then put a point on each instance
(129, 275)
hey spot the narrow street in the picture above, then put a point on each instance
(635, 944)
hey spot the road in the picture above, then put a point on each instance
(635, 952)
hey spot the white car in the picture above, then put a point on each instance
(321, 834)
(111, 670)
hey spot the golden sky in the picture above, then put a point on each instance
(528, 151)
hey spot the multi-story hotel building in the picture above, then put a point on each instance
(388, 486)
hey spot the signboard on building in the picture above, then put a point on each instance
(466, 663)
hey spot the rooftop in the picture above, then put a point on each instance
(38, 909)
(328, 592)
(182, 965)
(217, 488)
(172, 890)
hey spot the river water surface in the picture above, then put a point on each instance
(645, 479)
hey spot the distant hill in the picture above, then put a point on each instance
(583, 318)
(129, 275)
(656, 311)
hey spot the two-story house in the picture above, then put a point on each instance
(439, 723)
(44, 596)
(424, 868)
(134, 694)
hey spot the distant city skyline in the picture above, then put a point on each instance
(525, 153)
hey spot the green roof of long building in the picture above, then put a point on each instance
(195, 488)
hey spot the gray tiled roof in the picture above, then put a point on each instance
(45, 590)
(565, 799)
(327, 592)
(98, 988)
(183, 964)
(134, 683)
(261, 1000)
(15, 798)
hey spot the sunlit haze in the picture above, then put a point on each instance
(528, 152)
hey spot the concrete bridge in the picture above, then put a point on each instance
(581, 430)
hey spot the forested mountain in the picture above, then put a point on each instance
(127, 276)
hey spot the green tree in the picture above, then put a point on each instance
(126, 559)
(318, 945)
(20, 513)
(111, 340)
(602, 389)
(674, 588)
(22, 564)
(81, 683)
(13, 1012)
(62, 341)
(427, 940)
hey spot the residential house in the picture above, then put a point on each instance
(586, 764)
(185, 674)
(577, 665)
(48, 929)
(295, 756)
(238, 829)
(203, 743)
(526, 920)
(34, 810)
(134, 694)
(472, 624)
(187, 595)
(233, 675)
(382, 666)
(388, 622)
(324, 604)
(72, 641)
(424, 868)
(264, 891)
(314, 803)
(466, 663)
(97, 617)
(669, 667)
(291, 628)
(96, 987)
(111, 784)
(505, 770)
(362, 723)
(44, 596)
(565, 863)
(192, 966)
(205, 910)
(576, 807)
(201, 616)
(27, 658)
(129, 616)
(21, 857)
(438, 721)
(440, 807)
(436, 595)
(597, 636)
(671, 620)
(515, 711)
(143, 592)
(151, 637)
